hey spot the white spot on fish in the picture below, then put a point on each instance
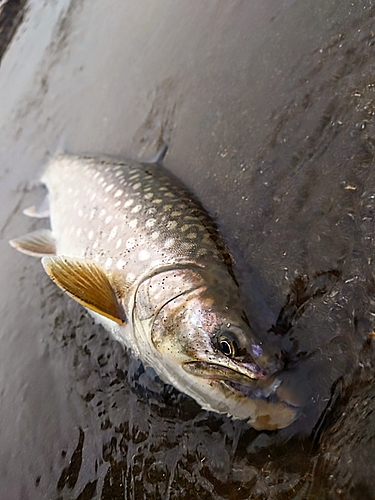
(120, 264)
(130, 243)
(169, 242)
(102, 212)
(150, 222)
(118, 193)
(143, 255)
(128, 203)
(172, 224)
(130, 277)
(133, 223)
(108, 262)
(92, 197)
(108, 219)
(112, 234)
(176, 214)
(136, 209)
(108, 188)
(118, 244)
(90, 235)
(191, 236)
(148, 196)
(155, 235)
(136, 186)
(158, 201)
(95, 245)
(117, 204)
(80, 213)
(185, 227)
(201, 252)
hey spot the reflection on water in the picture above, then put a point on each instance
(269, 114)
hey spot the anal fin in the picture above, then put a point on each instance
(87, 283)
(38, 243)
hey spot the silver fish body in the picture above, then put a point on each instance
(131, 244)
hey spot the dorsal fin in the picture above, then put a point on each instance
(158, 157)
(87, 283)
(40, 212)
(38, 243)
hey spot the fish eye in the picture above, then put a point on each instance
(228, 346)
(231, 341)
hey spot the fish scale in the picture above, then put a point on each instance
(147, 220)
(134, 247)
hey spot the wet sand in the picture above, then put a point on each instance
(268, 112)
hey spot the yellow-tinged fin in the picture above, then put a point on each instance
(87, 283)
(38, 243)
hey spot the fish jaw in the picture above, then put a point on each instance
(258, 403)
(181, 336)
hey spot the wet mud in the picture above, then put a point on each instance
(268, 110)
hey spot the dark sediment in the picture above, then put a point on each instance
(11, 15)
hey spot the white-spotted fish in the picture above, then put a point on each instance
(129, 242)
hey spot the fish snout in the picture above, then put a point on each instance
(268, 362)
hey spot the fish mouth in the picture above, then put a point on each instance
(254, 387)
(268, 393)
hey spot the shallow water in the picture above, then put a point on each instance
(268, 110)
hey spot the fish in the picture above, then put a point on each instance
(129, 242)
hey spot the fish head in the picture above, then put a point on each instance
(206, 348)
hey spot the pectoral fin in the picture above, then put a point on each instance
(87, 283)
(38, 243)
